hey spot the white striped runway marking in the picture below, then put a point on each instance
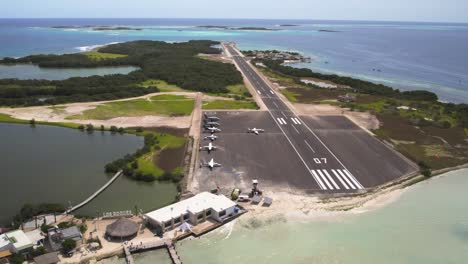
(271, 91)
(341, 180)
(258, 91)
(283, 120)
(317, 179)
(297, 120)
(331, 179)
(324, 179)
(346, 179)
(294, 121)
(353, 179)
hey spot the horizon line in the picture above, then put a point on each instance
(217, 18)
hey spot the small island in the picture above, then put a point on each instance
(237, 28)
(97, 28)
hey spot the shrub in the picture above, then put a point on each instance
(68, 245)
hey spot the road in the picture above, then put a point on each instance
(323, 165)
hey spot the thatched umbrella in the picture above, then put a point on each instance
(122, 228)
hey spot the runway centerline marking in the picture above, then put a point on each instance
(275, 104)
(295, 129)
(307, 143)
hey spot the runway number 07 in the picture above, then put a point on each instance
(320, 160)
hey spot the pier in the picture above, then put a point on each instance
(95, 194)
(148, 244)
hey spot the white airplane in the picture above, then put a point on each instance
(212, 124)
(209, 148)
(211, 137)
(213, 129)
(255, 130)
(210, 164)
(211, 118)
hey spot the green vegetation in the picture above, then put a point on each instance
(142, 165)
(68, 245)
(174, 63)
(28, 211)
(169, 105)
(4, 118)
(162, 86)
(429, 132)
(229, 104)
(98, 56)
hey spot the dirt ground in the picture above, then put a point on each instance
(58, 113)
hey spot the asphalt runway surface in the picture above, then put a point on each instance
(320, 154)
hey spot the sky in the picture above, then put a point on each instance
(382, 10)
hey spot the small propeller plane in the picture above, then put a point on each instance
(255, 130)
(211, 137)
(209, 148)
(211, 164)
(211, 118)
(213, 129)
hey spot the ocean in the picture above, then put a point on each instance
(430, 56)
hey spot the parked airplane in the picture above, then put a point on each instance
(209, 148)
(213, 129)
(211, 164)
(212, 124)
(211, 118)
(255, 130)
(211, 137)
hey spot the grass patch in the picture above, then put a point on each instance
(229, 104)
(8, 119)
(162, 86)
(98, 56)
(292, 96)
(158, 105)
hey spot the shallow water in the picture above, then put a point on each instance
(61, 165)
(29, 71)
(427, 224)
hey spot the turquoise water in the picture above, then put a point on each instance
(29, 71)
(427, 224)
(408, 55)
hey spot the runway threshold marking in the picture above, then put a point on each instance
(271, 91)
(353, 179)
(341, 180)
(324, 179)
(283, 120)
(331, 179)
(297, 120)
(280, 121)
(307, 143)
(346, 179)
(294, 121)
(317, 179)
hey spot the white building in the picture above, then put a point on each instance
(193, 210)
(15, 241)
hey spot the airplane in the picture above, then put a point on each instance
(209, 148)
(213, 129)
(255, 130)
(211, 137)
(211, 118)
(212, 124)
(211, 164)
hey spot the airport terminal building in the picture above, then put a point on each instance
(193, 210)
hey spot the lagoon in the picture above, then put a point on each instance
(30, 71)
(67, 165)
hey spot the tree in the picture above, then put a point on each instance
(424, 169)
(89, 128)
(113, 129)
(102, 128)
(68, 245)
(32, 122)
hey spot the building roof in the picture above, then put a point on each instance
(5, 253)
(4, 241)
(122, 228)
(70, 232)
(19, 239)
(35, 236)
(195, 204)
(267, 201)
(48, 258)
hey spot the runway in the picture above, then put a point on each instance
(320, 163)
